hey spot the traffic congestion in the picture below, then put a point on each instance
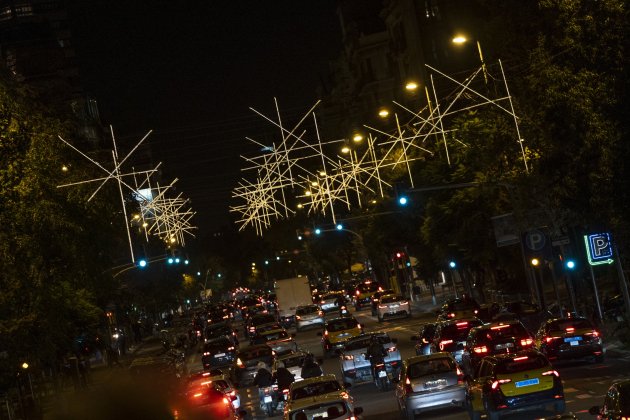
(365, 351)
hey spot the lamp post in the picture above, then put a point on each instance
(461, 39)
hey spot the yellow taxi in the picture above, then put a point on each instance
(337, 331)
(513, 382)
(363, 294)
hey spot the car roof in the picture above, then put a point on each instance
(426, 357)
(298, 353)
(308, 381)
(340, 318)
(496, 324)
(455, 321)
(506, 356)
(318, 399)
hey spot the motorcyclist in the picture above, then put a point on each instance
(263, 379)
(341, 302)
(376, 353)
(310, 368)
(284, 377)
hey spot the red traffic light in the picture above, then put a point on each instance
(399, 255)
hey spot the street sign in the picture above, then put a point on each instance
(535, 240)
(599, 248)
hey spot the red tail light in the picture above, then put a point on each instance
(408, 388)
(550, 339)
(451, 315)
(225, 400)
(480, 349)
(570, 329)
(551, 372)
(527, 342)
(326, 333)
(496, 384)
(358, 293)
(462, 324)
(444, 343)
(520, 359)
(460, 376)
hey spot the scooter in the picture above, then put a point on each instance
(267, 403)
(382, 379)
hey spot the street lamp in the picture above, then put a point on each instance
(383, 113)
(460, 40)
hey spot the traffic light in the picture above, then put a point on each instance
(452, 264)
(570, 264)
(339, 226)
(401, 191)
(170, 260)
(318, 231)
(142, 263)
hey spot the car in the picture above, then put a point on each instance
(337, 331)
(505, 383)
(530, 315)
(450, 336)
(308, 316)
(245, 366)
(491, 339)
(392, 306)
(328, 302)
(458, 308)
(279, 340)
(355, 365)
(217, 353)
(363, 294)
(258, 320)
(377, 295)
(292, 361)
(217, 377)
(331, 406)
(570, 338)
(424, 338)
(207, 401)
(616, 403)
(221, 329)
(312, 388)
(429, 382)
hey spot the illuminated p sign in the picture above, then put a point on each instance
(599, 248)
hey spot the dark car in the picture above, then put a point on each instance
(616, 403)
(492, 339)
(530, 315)
(220, 330)
(458, 308)
(570, 338)
(450, 336)
(258, 320)
(424, 338)
(217, 353)
(246, 360)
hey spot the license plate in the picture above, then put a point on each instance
(504, 346)
(394, 306)
(268, 398)
(527, 382)
(434, 384)
(219, 355)
(382, 374)
(572, 340)
(575, 343)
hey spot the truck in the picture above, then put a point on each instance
(291, 293)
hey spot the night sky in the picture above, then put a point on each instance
(190, 70)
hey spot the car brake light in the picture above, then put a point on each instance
(408, 387)
(326, 332)
(476, 311)
(550, 339)
(197, 395)
(239, 363)
(462, 324)
(230, 348)
(498, 327)
(348, 357)
(496, 384)
(594, 333)
(358, 293)
(443, 343)
(382, 306)
(206, 353)
(551, 372)
(570, 329)
(527, 342)
(380, 289)
(480, 349)
(451, 315)
(518, 359)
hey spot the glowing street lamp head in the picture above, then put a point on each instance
(411, 86)
(459, 39)
(535, 262)
(345, 150)
(383, 113)
(357, 138)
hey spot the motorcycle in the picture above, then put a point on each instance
(267, 401)
(382, 379)
(343, 311)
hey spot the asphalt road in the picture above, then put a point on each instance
(584, 384)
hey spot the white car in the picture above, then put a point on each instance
(292, 361)
(391, 306)
(330, 406)
(328, 302)
(308, 316)
(280, 341)
(355, 365)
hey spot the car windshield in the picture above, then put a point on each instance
(391, 299)
(498, 332)
(430, 367)
(255, 353)
(218, 331)
(218, 344)
(364, 342)
(463, 305)
(290, 362)
(328, 411)
(263, 319)
(342, 324)
(567, 324)
(313, 389)
(459, 330)
(521, 364)
(369, 287)
(306, 310)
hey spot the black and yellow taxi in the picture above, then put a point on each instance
(363, 294)
(514, 382)
(337, 332)
(570, 338)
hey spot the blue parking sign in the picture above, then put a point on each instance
(599, 248)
